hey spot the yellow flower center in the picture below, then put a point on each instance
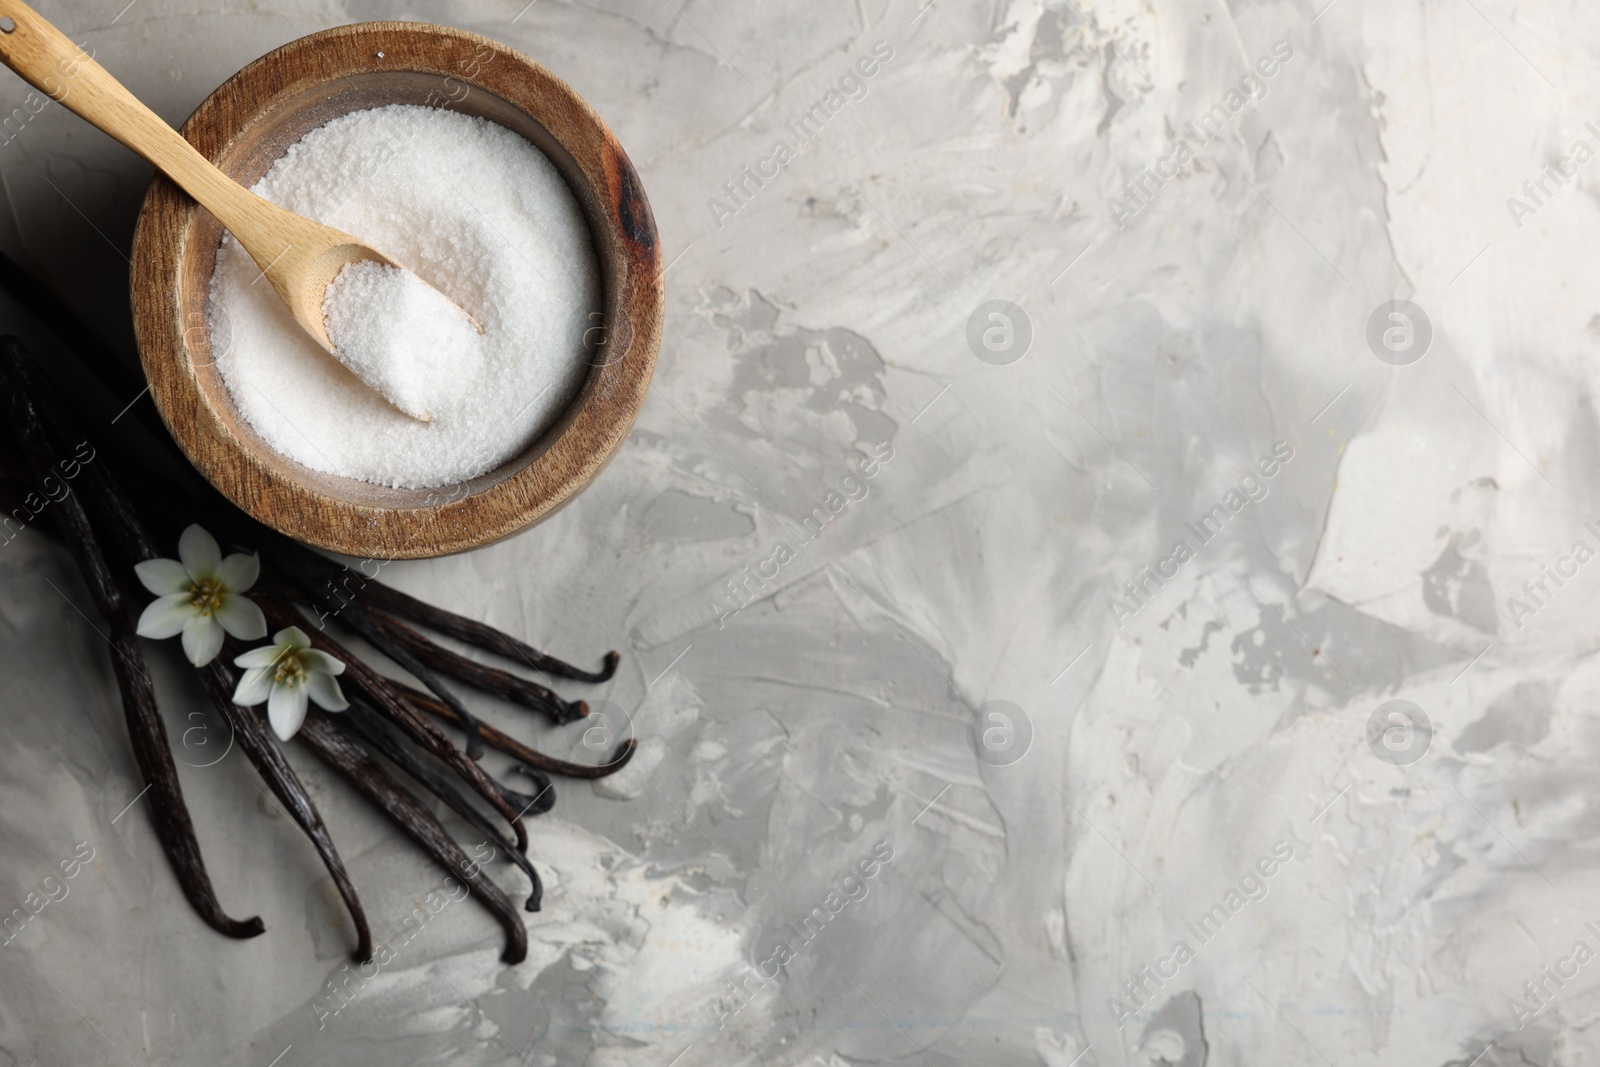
(291, 672)
(206, 595)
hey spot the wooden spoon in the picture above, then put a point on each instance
(298, 256)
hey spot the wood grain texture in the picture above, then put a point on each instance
(243, 128)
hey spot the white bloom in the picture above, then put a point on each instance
(284, 674)
(199, 597)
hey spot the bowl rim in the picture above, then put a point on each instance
(303, 503)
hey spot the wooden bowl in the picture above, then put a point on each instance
(244, 127)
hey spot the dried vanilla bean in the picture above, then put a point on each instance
(380, 639)
(490, 680)
(169, 815)
(369, 726)
(315, 578)
(114, 511)
(512, 747)
(356, 764)
(307, 568)
(537, 802)
(479, 635)
(312, 575)
(378, 692)
(482, 636)
(304, 578)
(274, 768)
(104, 485)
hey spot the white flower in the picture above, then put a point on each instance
(284, 674)
(200, 596)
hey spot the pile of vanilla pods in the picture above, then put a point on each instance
(111, 517)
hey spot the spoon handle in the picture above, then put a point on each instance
(47, 59)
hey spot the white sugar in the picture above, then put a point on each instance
(482, 216)
(400, 335)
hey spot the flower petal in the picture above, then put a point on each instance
(167, 617)
(286, 708)
(202, 640)
(199, 553)
(254, 686)
(241, 617)
(291, 637)
(163, 577)
(239, 572)
(315, 660)
(325, 691)
(265, 656)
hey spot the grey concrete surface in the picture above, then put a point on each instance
(1200, 834)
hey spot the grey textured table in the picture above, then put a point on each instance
(1199, 834)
